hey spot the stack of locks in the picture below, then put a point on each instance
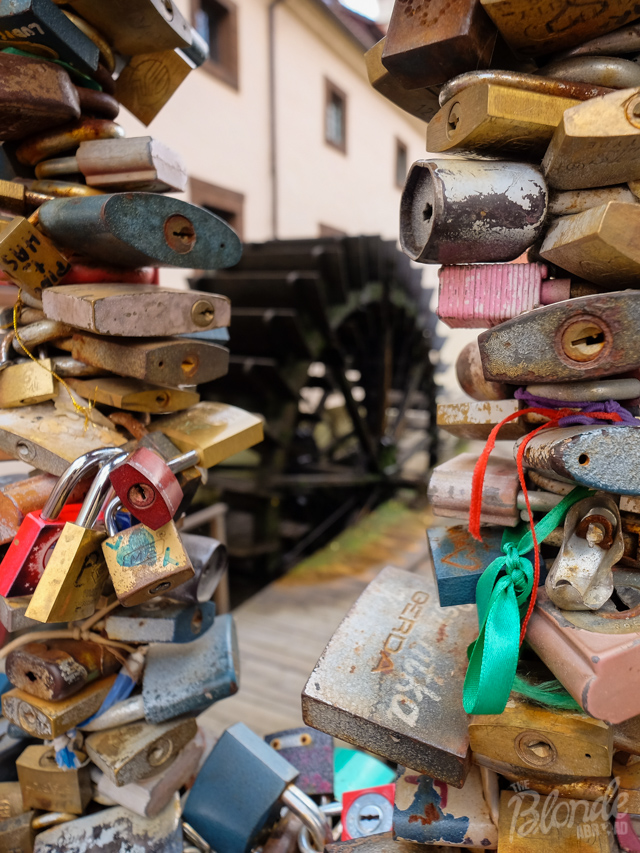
(507, 687)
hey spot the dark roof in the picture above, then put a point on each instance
(365, 31)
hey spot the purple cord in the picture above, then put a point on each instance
(580, 418)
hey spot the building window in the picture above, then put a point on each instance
(335, 117)
(401, 163)
(217, 23)
(227, 204)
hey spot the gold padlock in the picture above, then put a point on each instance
(27, 384)
(17, 833)
(51, 788)
(29, 258)
(421, 103)
(72, 581)
(489, 119)
(149, 80)
(43, 718)
(11, 803)
(132, 395)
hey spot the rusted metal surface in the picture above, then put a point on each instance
(471, 378)
(390, 679)
(311, 753)
(585, 788)
(430, 41)
(464, 211)
(450, 490)
(587, 337)
(50, 143)
(523, 81)
(429, 811)
(601, 457)
(476, 420)
(383, 843)
(568, 202)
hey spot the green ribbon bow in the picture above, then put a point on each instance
(502, 597)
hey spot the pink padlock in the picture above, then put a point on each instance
(477, 296)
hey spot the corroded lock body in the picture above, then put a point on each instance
(51, 788)
(161, 620)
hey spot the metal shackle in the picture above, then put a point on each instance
(77, 470)
(110, 516)
(304, 836)
(98, 492)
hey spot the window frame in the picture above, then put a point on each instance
(227, 69)
(206, 194)
(331, 89)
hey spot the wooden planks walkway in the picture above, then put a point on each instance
(284, 628)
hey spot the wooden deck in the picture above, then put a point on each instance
(283, 630)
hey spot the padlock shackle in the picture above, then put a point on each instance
(304, 842)
(184, 461)
(41, 332)
(77, 470)
(98, 491)
(309, 813)
(110, 516)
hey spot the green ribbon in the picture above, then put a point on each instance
(502, 597)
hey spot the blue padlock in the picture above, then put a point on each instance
(160, 620)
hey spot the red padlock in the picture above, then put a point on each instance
(368, 811)
(148, 488)
(28, 553)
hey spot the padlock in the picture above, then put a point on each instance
(162, 361)
(141, 229)
(39, 22)
(471, 379)
(143, 562)
(552, 26)
(581, 577)
(189, 481)
(450, 490)
(116, 828)
(45, 719)
(148, 797)
(476, 420)
(596, 143)
(28, 553)
(524, 81)
(50, 788)
(228, 820)
(160, 620)
(487, 119)
(368, 811)
(534, 739)
(431, 812)
(569, 202)
(132, 395)
(617, 43)
(588, 650)
(421, 103)
(388, 698)
(311, 753)
(22, 199)
(437, 44)
(216, 430)
(141, 310)
(597, 244)
(75, 573)
(599, 457)
(584, 338)
(141, 163)
(455, 211)
(611, 71)
(210, 561)
(59, 668)
(481, 295)
(11, 804)
(67, 137)
(628, 779)
(17, 834)
(139, 750)
(12, 613)
(591, 392)
(27, 384)
(29, 259)
(137, 88)
(40, 332)
(21, 497)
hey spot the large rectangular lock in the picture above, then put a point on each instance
(499, 121)
(587, 337)
(390, 697)
(48, 787)
(476, 420)
(450, 490)
(29, 258)
(422, 103)
(429, 811)
(141, 310)
(160, 620)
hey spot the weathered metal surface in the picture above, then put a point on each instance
(521, 80)
(476, 420)
(471, 378)
(186, 679)
(210, 561)
(600, 457)
(11, 803)
(390, 679)
(140, 229)
(618, 43)
(43, 718)
(147, 487)
(578, 788)
(378, 844)
(12, 613)
(450, 490)
(29, 259)
(534, 738)
(594, 391)
(132, 395)
(27, 384)
(588, 337)
(140, 164)
(553, 25)
(139, 310)
(219, 810)
(595, 655)
(51, 143)
(429, 811)
(421, 103)
(162, 361)
(581, 577)
(136, 88)
(500, 121)
(129, 753)
(568, 202)
(51, 788)
(596, 144)
(160, 620)
(440, 211)
(20, 498)
(311, 753)
(367, 811)
(611, 71)
(115, 830)
(429, 42)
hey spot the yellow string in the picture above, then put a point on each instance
(63, 634)
(80, 409)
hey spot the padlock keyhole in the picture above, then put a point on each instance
(427, 213)
(583, 340)
(180, 234)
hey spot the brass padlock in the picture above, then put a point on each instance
(51, 788)
(11, 804)
(421, 103)
(133, 395)
(29, 258)
(143, 562)
(75, 574)
(27, 384)
(137, 89)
